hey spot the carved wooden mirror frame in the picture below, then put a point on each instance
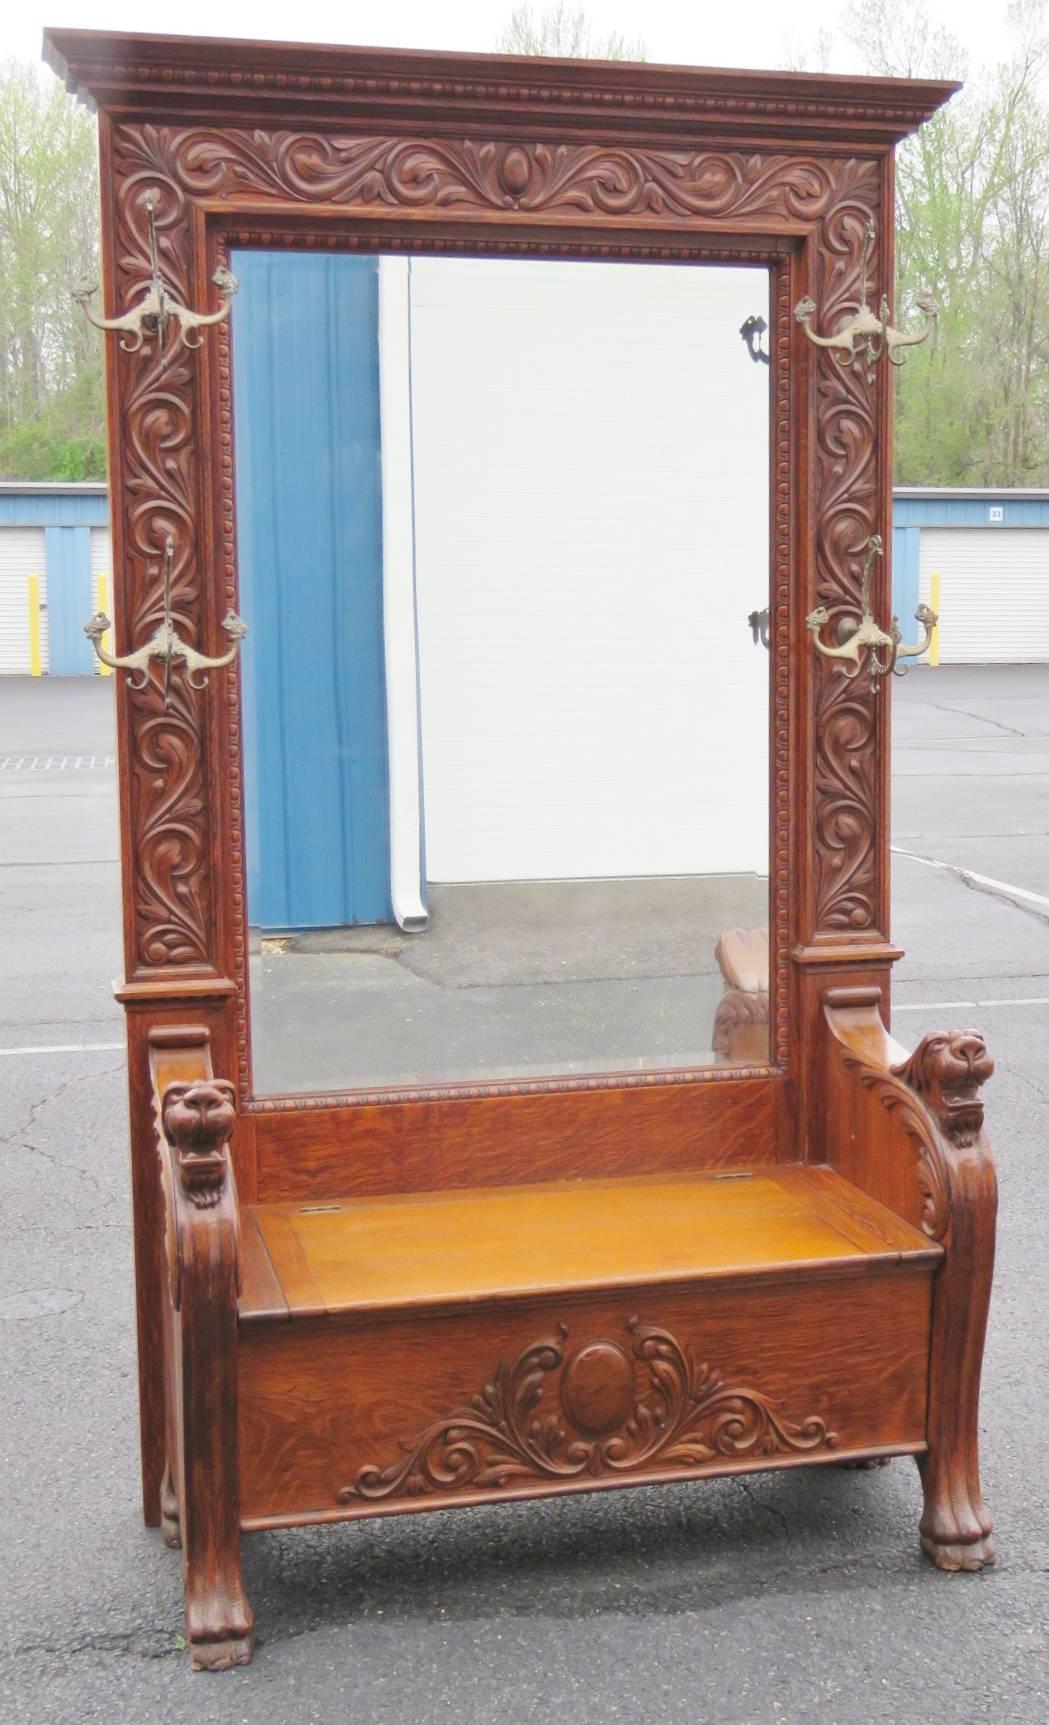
(253, 144)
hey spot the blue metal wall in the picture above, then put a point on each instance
(309, 514)
(906, 543)
(970, 512)
(56, 508)
(68, 552)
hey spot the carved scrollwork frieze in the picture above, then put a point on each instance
(602, 1410)
(561, 180)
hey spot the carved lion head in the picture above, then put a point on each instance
(199, 1116)
(198, 1120)
(947, 1070)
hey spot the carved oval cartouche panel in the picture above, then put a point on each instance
(660, 1408)
(597, 1390)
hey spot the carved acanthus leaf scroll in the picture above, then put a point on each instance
(543, 1419)
(172, 890)
(847, 489)
(566, 180)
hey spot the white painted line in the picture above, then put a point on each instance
(53, 763)
(69, 1048)
(950, 1005)
(970, 874)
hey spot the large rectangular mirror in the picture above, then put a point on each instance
(503, 550)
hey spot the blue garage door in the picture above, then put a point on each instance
(69, 601)
(309, 514)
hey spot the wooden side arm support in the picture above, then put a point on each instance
(908, 1129)
(195, 1115)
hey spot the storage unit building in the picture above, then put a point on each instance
(55, 570)
(981, 559)
(982, 555)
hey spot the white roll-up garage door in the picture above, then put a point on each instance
(587, 524)
(994, 592)
(21, 555)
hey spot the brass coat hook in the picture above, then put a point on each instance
(868, 335)
(166, 643)
(867, 634)
(158, 306)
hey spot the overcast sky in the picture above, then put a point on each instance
(692, 32)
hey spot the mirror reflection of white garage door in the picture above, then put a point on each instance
(21, 555)
(590, 467)
(994, 593)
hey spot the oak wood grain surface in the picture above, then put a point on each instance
(372, 1149)
(322, 1400)
(444, 1248)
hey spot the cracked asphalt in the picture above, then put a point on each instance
(781, 1598)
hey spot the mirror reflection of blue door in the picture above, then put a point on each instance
(309, 523)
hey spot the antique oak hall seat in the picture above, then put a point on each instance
(366, 1297)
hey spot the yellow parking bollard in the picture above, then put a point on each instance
(35, 662)
(106, 642)
(934, 601)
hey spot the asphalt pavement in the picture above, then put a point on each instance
(774, 1600)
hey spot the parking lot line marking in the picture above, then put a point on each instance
(950, 1005)
(970, 874)
(69, 1048)
(53, 763)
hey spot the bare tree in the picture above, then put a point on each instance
(973, 228)
(565, 31)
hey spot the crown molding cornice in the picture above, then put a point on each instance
(192, 76)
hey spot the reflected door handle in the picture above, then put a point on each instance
(752, 332)
(759, 626)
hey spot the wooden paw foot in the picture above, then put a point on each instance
(969, 1558)
(219, 1623)
(221, 1655)
(956, 1524)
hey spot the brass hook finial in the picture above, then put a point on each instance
(867, 634)
(155, 310)
(165, 643)
(868, 336)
